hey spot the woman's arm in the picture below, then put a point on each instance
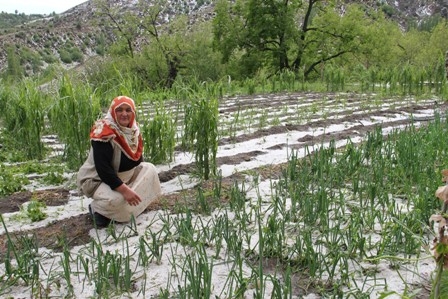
(129, 195)
(103, 155)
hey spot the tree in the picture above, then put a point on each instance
(123, 23)
(259, 28)
(437, 45)
(355, 36)
(288, 34)
(200, 62)
(142, 28)
(171, 49)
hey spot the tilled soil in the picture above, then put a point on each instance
(75, 230)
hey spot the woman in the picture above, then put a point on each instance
(114, 175)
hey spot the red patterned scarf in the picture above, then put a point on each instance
(128, 138)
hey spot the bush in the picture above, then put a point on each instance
(21, 35)
(65, 56)
(35, 210)
(77, 55)
(100, 50)
(49, 58)
(11, 182)
(388, 10)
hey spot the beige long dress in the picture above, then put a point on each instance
(143, 179)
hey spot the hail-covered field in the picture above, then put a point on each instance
(280, 220)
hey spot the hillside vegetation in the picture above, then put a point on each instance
(195, 40)
(299, 145)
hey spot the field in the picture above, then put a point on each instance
(294, 211)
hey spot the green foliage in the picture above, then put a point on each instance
(443, 285)
(429, 23)
(124, 25)
(100, 50)
(71, 54)
(145, 71)
(108, 76)
(334, 79)
(201, 133)
(388, 10)
(71, 116)
(101, 73)
(47, 56)
(50, 72)
(167, 50)
(248, 65)
(436, 45)
(257, 38)
(246, 40)
(20, 35)
(243, 32)
(26, 106)
(9, 20)
(14, 69)
(10, 181)
(200, 62)
(100, 47)
(29, 57)
(11, 150)
(34, 210)
(53, 178)
(13, 178)
(148, 68)
(76, 54)
(226, 28)
(24, 251)
(159, 133)
(65, 56)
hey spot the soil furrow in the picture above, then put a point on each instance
(75, 230)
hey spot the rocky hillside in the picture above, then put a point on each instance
(419, 8)
(76, 35)
(411, 11)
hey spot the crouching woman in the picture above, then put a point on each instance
(114, 174)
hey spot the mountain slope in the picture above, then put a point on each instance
(73, 36)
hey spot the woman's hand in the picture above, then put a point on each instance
(129, 195)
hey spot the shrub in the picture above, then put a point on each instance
(388, 10)
(21, 34)
(76, 55)
(34, 211)
(100, 50)
(65, 56)
(10, 182)
(49, 58)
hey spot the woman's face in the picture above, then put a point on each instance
(124, 115)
